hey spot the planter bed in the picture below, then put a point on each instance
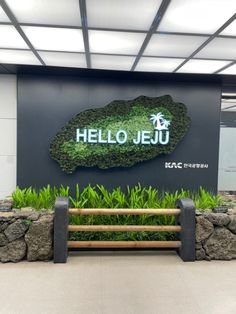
(27, 233)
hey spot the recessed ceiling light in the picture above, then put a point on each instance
(122, 14)
(173, 45)
(18, 57)
(10, 38)
(112, 62)
(55, 12)
(49, 38)
(219, 48)
(63, 59)
(230, 70)
(197, 16)
(115, 42)
(202, 66)
(150, 64)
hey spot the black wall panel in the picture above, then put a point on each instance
(46, 103)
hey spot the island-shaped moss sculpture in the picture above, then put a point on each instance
(120, 134)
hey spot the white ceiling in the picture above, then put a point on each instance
(183, 36)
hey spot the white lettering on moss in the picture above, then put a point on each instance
(159, 135)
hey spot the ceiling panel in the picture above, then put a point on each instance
(112, 62)
(202, 66)
(230, 30)
(115, 42)
(230, 70)
(61, 39)
(3, 16)
(197, 16)
(18, 57)
(150, 64)
(173, 45)
(10, 38)
(64, 59)
(122, 14)
(219, 48)
(57, 12)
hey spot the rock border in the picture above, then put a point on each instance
(26, 234)
(215, 236)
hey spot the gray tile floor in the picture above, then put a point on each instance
(119, 283)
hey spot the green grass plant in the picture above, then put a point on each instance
(100, 197)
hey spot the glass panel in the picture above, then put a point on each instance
(48, 38)
(229, 70)
(115, 42)
(56, 12)
(197, 16)
(230, 30)
(202, 66)
(219, 48)
(18, 57)
(63, 59)
(158, 64)
(10, 38)
(3, 16)
(122, 14)
(112, 62)
(173, 45)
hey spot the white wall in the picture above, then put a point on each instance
(8, 119)
(227, 160)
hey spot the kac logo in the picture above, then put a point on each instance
(176, 165)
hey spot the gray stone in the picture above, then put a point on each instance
(13, 252)
(220, 209)
(200, 254)
(221, 245)
(16, 230)
(3, 226)
(218, 219)
(232, 225)
(6, 216)
(27, 213)
(232, 211)
(39, 239)
(3, 239)
(34, 216)
(6, 205)
(198, 245)
(23, 212)
(204, 229)
(207, 258)
(198, 212)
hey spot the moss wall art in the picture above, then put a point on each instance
(121, 134)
